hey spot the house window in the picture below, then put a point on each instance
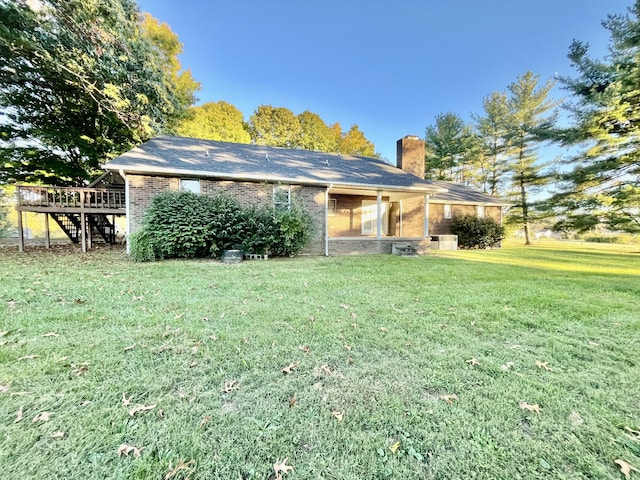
(332, 207)
(480, 211)
(282, 197)
(447, 212)
(189, 185)
(370, 217)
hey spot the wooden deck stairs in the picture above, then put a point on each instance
(82, 213)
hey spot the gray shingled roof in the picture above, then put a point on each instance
(461, 194)
(178, 156)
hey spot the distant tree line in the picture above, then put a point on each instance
(498, 152)
(274, 126)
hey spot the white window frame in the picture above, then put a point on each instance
(369, 225)
(480, 211)
(280, 193)
(190, 185)
(332, 207)
(447, 211)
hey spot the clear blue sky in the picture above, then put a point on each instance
(389, 67)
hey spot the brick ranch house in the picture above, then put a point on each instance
(359, 205)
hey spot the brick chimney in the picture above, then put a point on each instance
(410, 155)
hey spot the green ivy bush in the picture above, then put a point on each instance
(141, 247)
(474, 232)
(189, 225)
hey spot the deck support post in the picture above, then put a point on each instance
(20, 233)
(47, 234)
(83, 231)
(89, 233)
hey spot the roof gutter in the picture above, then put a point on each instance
(262, 178)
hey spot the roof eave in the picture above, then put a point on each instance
(427, 190)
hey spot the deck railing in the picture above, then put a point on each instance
(71, 197)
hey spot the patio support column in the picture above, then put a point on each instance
(83, 231)
(379, 216)
(47, 234)
(20, 233)
(400, 218)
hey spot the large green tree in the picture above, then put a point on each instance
(531, 119)
(354, 142)
(215, 121)
(80, 82)
(492, 128)
(451, 151)
(604, 186)
(315, 133)
(275, 126)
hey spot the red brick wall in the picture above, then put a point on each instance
(438, 225)
(143, 188)
(347, 222)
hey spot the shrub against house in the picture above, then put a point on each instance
(188, 225)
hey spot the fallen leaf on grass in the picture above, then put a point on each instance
(635, 434)
(288, 369)
(593, 344)
(293, 400)
(79, 369)
(193, 364)
(126, 401)
(42, 417)
(18, 394)
(230, 386)
(125, 450)
(58, 434)
(51, 334)
(305, 348)
(544, 365)
(532, 408)
(4, 388)
(507, 366)
(575, 419)
(140, 409)
(19, 414)
(182, 465)
(206, 419)
(449, 398)
(472, 361)
(130, 347)
(281, 467)
(338, 415)
(626, 468)
(28, 357)
(394, 448)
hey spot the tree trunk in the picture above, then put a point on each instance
(525, 210)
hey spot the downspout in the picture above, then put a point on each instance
(426, 216)
(326, 220)
(127, 209)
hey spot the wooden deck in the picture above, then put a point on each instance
(79, 211)
(44, 199)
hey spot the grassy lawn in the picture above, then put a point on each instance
(393, 367)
